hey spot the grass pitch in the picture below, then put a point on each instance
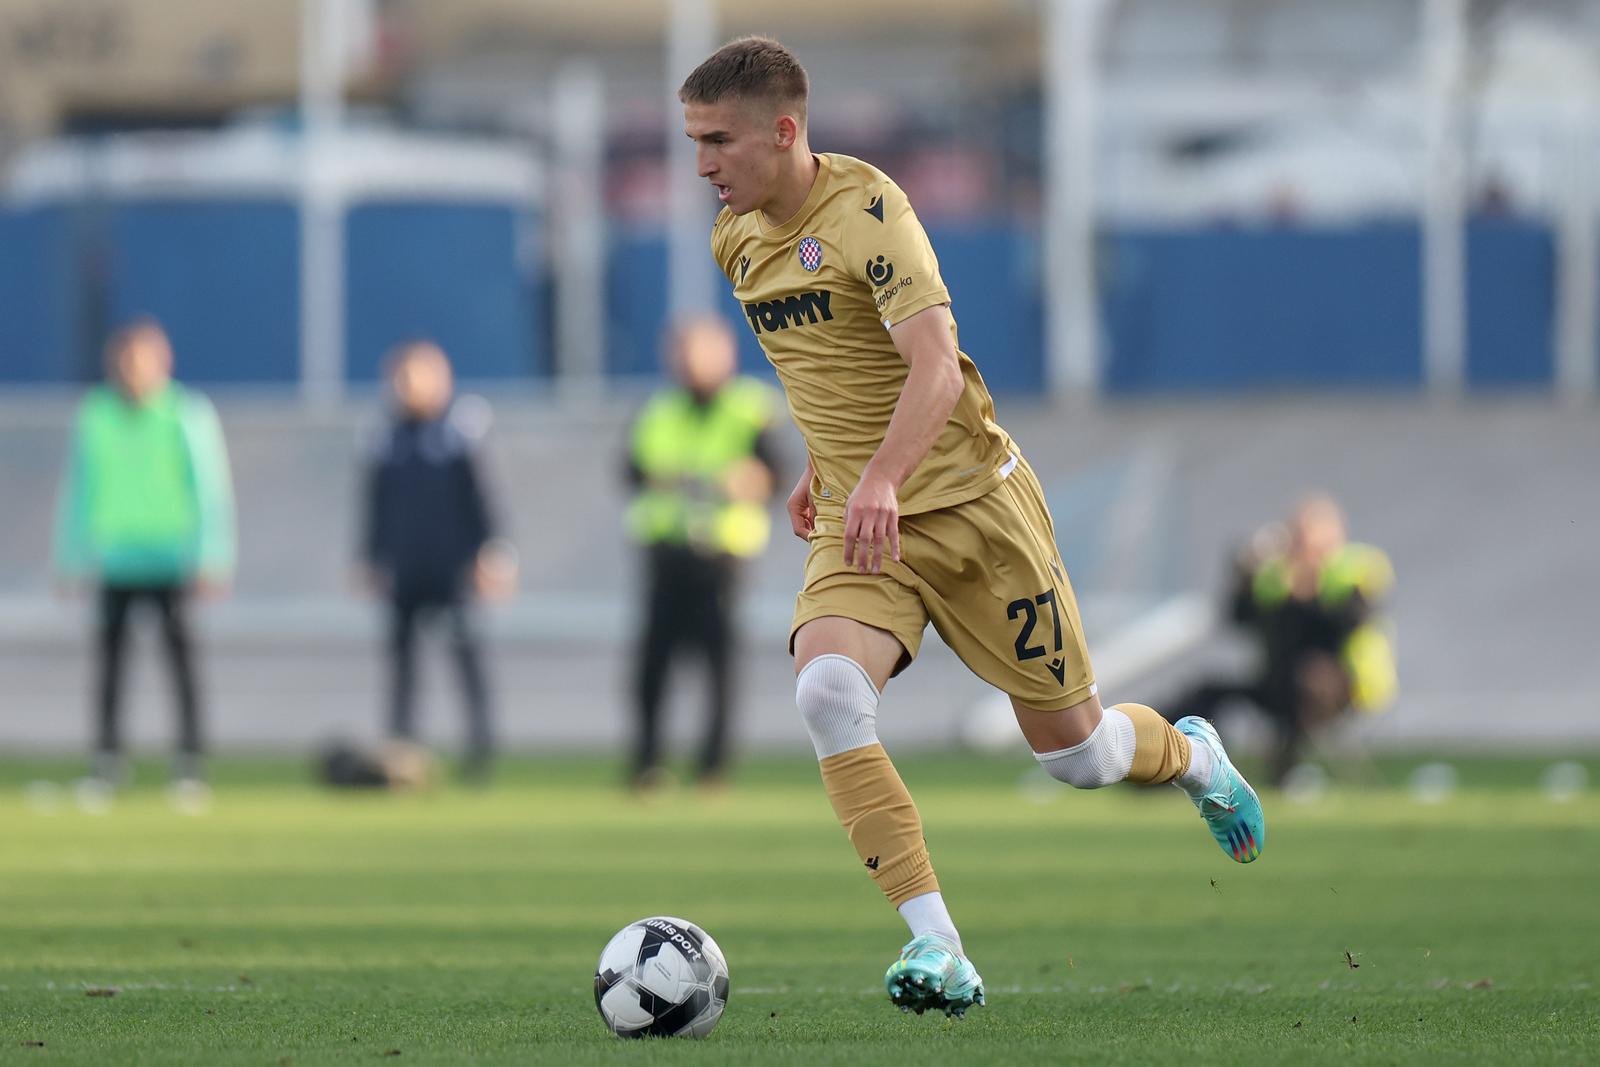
(291, 926)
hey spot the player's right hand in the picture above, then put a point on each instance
(802, 514)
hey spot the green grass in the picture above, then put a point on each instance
(294, 926)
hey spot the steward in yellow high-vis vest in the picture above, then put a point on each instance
(686, 449)
(702, 466)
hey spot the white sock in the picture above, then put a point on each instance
(926, 914)
(1103, 758)
(1202, 766)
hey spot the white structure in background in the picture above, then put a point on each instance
(334, 36)
(1444, 258)
(578, 229)
(691, 36)
(1071, 72)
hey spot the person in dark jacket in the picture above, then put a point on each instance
(429, 544)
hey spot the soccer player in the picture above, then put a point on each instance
(917, 506)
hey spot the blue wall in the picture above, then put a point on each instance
(39, 287)
(450, 272)
(1511, 303)
(220, 275)
(1220, 309)
(1192, 309)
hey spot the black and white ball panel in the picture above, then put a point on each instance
(661, 977)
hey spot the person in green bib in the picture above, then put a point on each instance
(702, 465)
(146, 515)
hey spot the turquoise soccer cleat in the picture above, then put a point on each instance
(932, 973)
(1230, 807)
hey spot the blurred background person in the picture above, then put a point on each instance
(146, 514)
(429, 543)
(1312, 600)
(702, 464)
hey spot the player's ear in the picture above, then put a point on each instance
(786, 130)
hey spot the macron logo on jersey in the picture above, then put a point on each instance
(800, 310)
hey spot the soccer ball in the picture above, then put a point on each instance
(661, 977)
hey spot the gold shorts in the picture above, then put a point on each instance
(986, 573)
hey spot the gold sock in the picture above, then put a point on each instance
(1160, 752)
(876, 810)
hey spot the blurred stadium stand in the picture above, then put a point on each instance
(1480, 509)
(1261, 225)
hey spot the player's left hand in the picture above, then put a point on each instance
(871, 517)
(212, 586)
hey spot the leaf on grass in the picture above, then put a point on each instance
(1427, 952)
(1070, 964)
(245, 979)
(1441, 983)
(1131, 987)
(1350, 960)
(1482, 983)
(1332, 890)
(187, 942)
(391, 1052)
(100, 991)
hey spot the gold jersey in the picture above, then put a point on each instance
(820, 292)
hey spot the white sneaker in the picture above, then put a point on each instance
(189, 796)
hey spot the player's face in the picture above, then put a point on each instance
(706, 356)
(422, 382)
(144, 364)
(1318, 528)
(737, 149)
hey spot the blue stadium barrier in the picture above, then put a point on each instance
(221, 277)
(1187, 309)
(1511, 302)
(1215, 309)
(39, 291)
(459, 273)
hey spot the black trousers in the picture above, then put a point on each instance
(116, 604)
(689, 606)
(408, 614)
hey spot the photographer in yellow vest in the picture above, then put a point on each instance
(702, 466)
(1314, 602)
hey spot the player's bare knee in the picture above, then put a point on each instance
(839, 704)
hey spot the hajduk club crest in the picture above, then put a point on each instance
(810, 253)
